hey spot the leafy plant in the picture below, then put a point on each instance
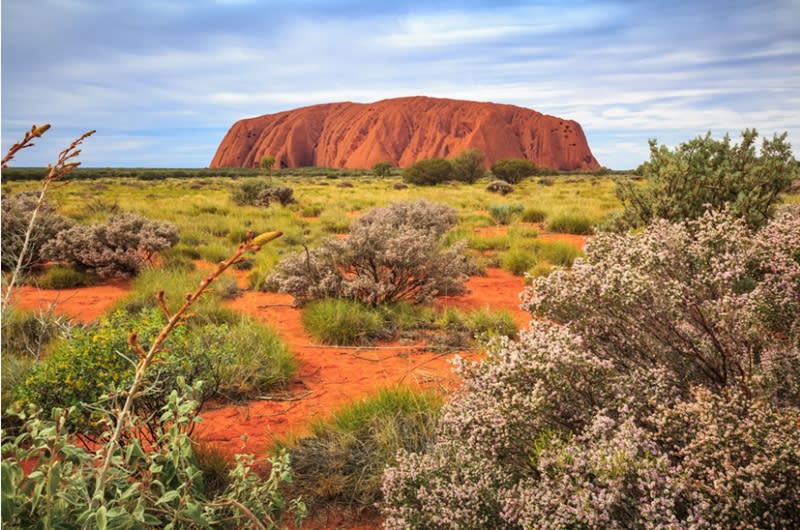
(513, 170)
(681, 183)
(382, 169)
(429, 172)
(468, 165)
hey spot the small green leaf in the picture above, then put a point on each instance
(100, 518)
(169, 496)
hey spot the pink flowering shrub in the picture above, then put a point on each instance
(392, 253)
(658, 387)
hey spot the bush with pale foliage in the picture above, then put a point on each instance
(391, 254)
(117, 249)
(658, 387)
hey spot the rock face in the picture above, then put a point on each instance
(402, 131)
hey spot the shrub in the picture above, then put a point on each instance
(344, 457)
(312, 210)
(117, 249)
(236, 359)
(334, 221)
(336, 321)
(64, 277)
(658, 386)
(382, 169)
(513, 170)
(142, 488)
(468, 166)
(16, 215)
(557, 252)
(703, 171)
(258, 192)
(518, 260)
(429, 172)
(571, 223)
(488, 323)
(392, 253)
(400, 186)
(505, 213)
(27, 333)
(489, 243)
(533, 215)
(500, 186)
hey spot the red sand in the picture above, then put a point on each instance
(84, 303)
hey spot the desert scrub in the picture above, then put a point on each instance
(338, 321)
(484, 243)
(518, 260)
(64, 277)
(214, 252)
(16, 215)
(499, 186)
(119, 248)
(533, 215)
(175, 283)
(343, 459)
(505, 213)
(571, 223)
(236, 359)
(27, 333)
(659, 379)
(457, 329)
(557, 252)
(486, 323)
(335, 221)
(258, 192)
(392, 253)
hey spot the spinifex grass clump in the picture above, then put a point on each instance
(343, 459)
(505, 213)
(571, 223)
(338, 321)
(392, 253)
(658, 387)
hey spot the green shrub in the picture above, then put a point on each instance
(505, 213)
(247, 192)
(682, 183)
(343, 459)
(571, 223)
(235, 359)
(513, 170)
(488, 243)
(518, 260)
(335, 221)
(339, 321)
(382, 169)
(312, 210)
(468, 165)
(488, 323)
(533, 215)
(429, 172)
(15, 369)
(557, 252)
(539, 270)
(175, 284)
(64, 277)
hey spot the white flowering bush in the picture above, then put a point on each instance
(392, 253)
(656, 388)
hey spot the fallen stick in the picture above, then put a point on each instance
(283, 398)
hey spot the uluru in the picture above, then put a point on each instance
(402, 131)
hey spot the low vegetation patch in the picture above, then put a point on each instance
(571, 223)
(343, 459)
(345, 322)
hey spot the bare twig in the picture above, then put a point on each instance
(62, 167)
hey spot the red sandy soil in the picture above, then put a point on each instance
(327, 377)
(402, 131)
(83, 304)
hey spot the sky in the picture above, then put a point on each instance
(163, 80)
